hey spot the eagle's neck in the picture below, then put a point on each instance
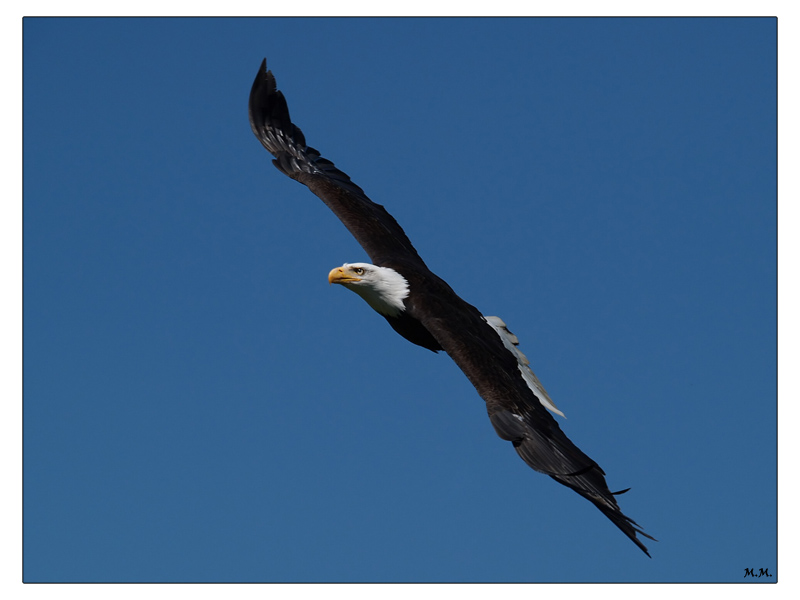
(385, 293)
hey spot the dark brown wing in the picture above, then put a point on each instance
(515, 412)
(373, 227)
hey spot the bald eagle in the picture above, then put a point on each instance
(422, 308)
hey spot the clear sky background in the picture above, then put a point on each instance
(199, 403)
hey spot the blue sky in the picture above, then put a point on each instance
(199, 403)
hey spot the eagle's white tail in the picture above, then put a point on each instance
(511, 343)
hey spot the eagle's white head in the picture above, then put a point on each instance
(383, 289)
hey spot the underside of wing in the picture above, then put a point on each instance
(372, 226)
(548, 450)
(517, 415)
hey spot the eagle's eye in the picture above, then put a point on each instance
(358, 271)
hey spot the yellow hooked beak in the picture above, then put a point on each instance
(339, 275)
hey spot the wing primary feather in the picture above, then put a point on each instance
(549, 451)
(372, 226)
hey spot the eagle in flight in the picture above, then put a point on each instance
(422, 308)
